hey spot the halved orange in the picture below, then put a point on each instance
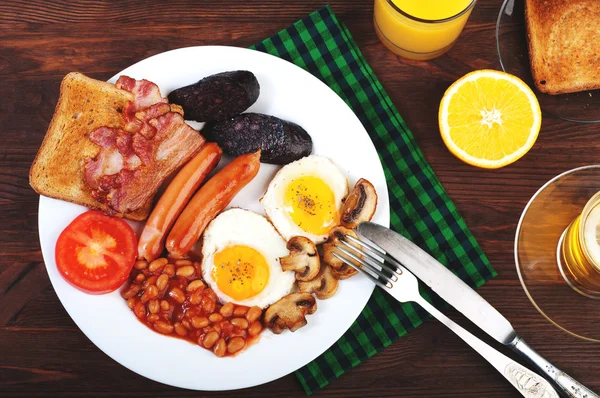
(489, 118)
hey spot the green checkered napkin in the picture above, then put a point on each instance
(420, 208)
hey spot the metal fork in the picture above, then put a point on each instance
(387, 273)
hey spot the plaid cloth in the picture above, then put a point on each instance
(420, 208)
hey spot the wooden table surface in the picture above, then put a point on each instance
(43, 353)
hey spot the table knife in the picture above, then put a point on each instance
(462, 297)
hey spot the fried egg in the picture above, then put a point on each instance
(240, 259)
(305, 198)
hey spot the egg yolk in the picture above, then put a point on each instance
(311, 205)
(240, 271)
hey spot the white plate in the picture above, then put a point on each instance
(290, 93)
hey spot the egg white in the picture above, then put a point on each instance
(315, 166)
(243, 227)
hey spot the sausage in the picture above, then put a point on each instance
(209, 201)
(217, 97)
(281, 141)
(174, 199)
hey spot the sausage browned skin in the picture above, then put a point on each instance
(209, 201)
(174, 199)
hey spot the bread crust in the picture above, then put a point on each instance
(84, 105)
(564, 44)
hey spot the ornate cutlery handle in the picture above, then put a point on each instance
(569, 386)
(528, 383)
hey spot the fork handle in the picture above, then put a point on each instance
(528, 383)
(569, 386)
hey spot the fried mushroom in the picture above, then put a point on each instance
(360, 205)
(340, 270)
(324, 285)
(344, 272)
(303, 258)
(290, 312)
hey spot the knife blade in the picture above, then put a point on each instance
(441, 280)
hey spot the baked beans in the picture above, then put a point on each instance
(152, 318)
(177, 295)
(253, 314)
(226, 310)
(180, 329)
(164, 305)
(255, 328)
(215, 317)
(210, 339)
(220, 347)
(140, 310)
(235, 344)
(133, 290)
(162, 282)
(131, 302)
(169, 270)
(241, 323)
(157, 264)
(153, 306)
(169, 297)
(241, 333)
(183, 263)
(150, 293)
(186, 271)
(200, 322)
(149, 281)
(197, 284)
(163, 327)
(240, 311)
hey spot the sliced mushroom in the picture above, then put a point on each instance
(303, 258)
(324, 285)
(340, 270)
(360, 205)
(344, 272)
(290, 312)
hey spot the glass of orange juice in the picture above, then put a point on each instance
(420, 29)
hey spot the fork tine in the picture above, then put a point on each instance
(375, 249)
(373, 279)
(373, 269)
(374, 262)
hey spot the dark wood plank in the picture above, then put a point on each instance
(43, 353)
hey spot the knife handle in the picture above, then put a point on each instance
(528, 383)
(565, 383)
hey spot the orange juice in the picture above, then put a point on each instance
(420, 29)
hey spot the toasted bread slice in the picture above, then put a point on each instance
(564, 44)
(58, 169)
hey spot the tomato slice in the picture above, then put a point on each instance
(95, 253)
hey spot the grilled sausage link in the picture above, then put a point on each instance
(209, 201)
(174, 199)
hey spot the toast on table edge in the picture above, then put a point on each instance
(564, 44)
(84, 106)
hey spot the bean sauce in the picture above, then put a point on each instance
(170, 298)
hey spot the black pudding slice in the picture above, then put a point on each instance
(281, 141)
(217, 97)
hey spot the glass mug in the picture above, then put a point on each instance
(579, 250)
(420, 29)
